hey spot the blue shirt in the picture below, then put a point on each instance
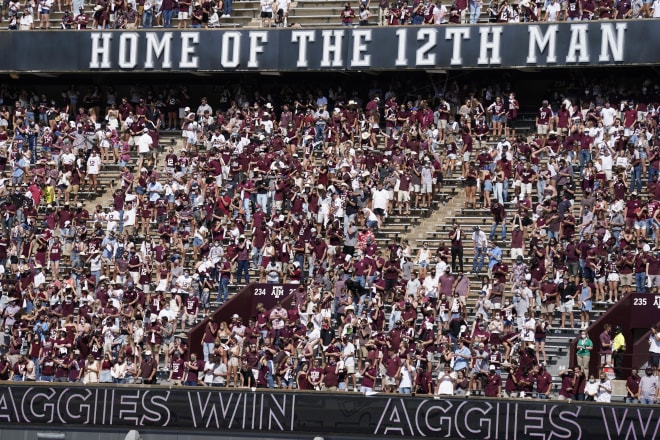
(462, 358)
(495, 256)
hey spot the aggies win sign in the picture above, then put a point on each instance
(383, 48)
(345, 415)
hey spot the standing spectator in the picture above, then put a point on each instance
(462, 356)
(552, 11)
(282, 10)
(177, 369)
(605, 346)
(44, 13)
(499, 219)
(208, 341)
(167, 9)
(604, 394)
(543, 381)
(364, 15)
(194, 368)
(567, 294)
(329, 377)
(544, 121)
(583, 352)
(347, 15)
(81, 19)
(369, 374)
(618, 349)
(184, 13)
(480, 249)
(585, 304)
(26, 23)
(493, 385)
(266, 13)
(456, 237)
(131, 17)
(632, 387)
(148, 368)
(148, 13)
(648, 388)
(654, 347)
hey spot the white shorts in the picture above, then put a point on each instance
(466, 156)
(542, 129)
(183, 15)
(516, 252)
(415, 188)
(566, 307)
(403, 196)
(613, 277)
(427, 188)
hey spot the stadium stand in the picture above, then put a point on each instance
(126, 224)
(102, 14)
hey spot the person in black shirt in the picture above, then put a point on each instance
(247, 377)
(456, 237)
(567, 293)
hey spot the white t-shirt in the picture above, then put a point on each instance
(553, 11)
(608, 115)
(654, 341)
(604, 392)
(219, 369)
(380, 198)
(129, 216)
(406, 377)
(144, 143)
(26, 22)
(445, 385)
(349, 355)
(93, 165)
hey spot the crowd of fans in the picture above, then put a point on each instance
(526, 11)
(293, 188)
(122, 14)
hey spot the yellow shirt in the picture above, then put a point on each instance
(49, 194)
(619, 342)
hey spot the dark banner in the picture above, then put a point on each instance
(379, 415)
(384, 48)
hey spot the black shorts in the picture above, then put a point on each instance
(379, 211)
(470, 183)
(266, 14)
(654, 360)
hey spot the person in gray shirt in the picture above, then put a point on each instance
(648, 388)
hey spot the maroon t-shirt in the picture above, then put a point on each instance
(330, 377)
(178, 368)
(493, 384)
